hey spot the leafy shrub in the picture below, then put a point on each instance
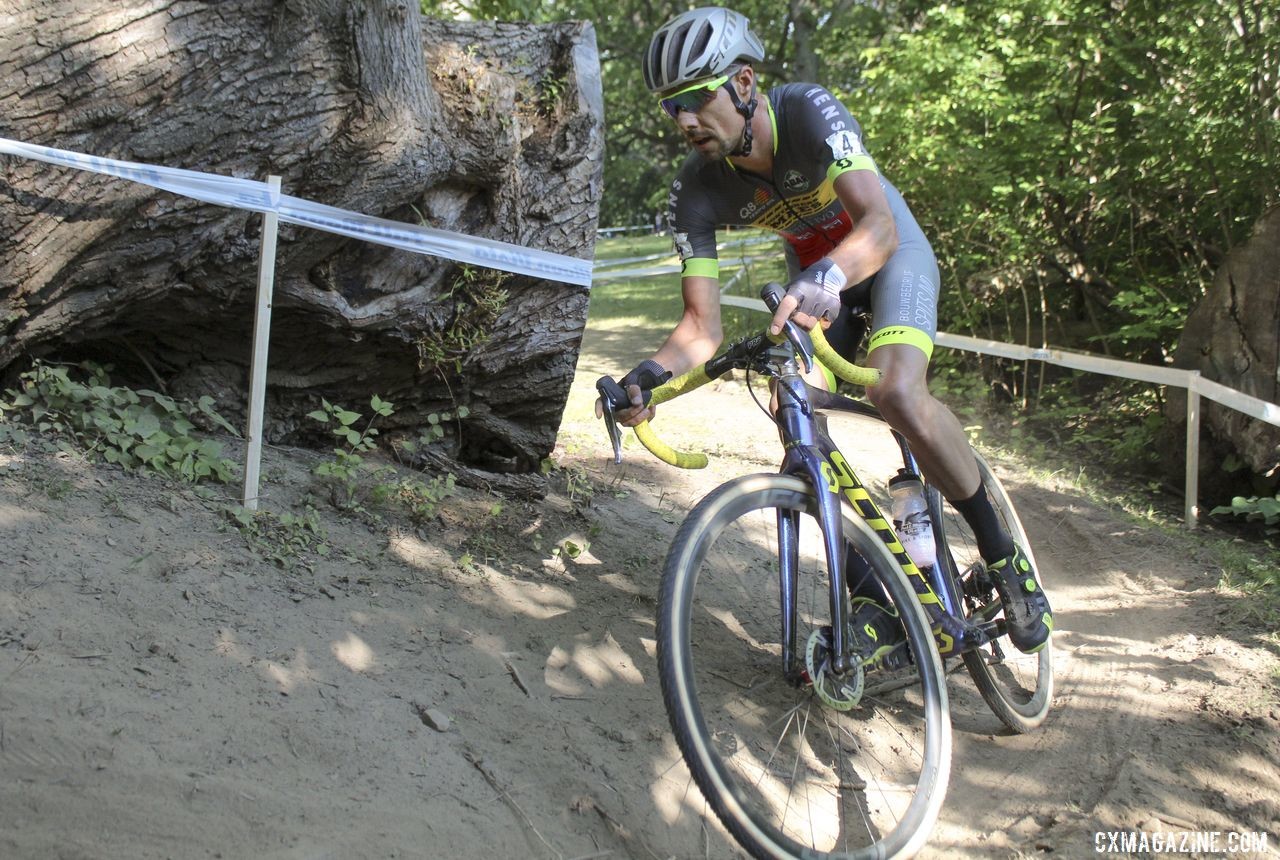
(354, 485)
(134, 429)
(347, 478)
(285, 539)
(1254, 509)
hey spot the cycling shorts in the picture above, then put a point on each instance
(902, 298)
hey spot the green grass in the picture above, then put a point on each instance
(622, 247)
(655, 302)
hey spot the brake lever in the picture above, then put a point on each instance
(612, 396)
(772, 294)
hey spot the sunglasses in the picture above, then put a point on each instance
(692, 98)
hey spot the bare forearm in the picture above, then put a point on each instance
(874, 236)
(866, 250)
(697, 336)
(688, 345)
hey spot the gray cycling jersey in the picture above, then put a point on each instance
(815, 139)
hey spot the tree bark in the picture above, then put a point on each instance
(487, 129)
(1233, 336)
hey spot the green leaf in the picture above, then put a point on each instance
(206, 405)
(346, 417)
(241, 515)
(159, 439)
(146, 452)
(145, 425)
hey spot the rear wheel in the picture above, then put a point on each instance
(1016, 686)
(825, 764)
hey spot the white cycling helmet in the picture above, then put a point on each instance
(700, 43)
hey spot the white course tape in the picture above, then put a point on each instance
(258, 196)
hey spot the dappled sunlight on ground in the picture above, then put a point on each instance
(673, 790)
(14, 516)
(289, 676)
(458, 682)
(354, 653)
(590, 665)
(419, 553)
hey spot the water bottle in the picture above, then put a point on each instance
(911, 518)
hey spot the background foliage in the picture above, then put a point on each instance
(1082, 167)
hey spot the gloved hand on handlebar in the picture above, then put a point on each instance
(813, 296)
(645, 376)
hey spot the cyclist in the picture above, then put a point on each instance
(792, 160)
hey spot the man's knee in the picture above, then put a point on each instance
(901, 400)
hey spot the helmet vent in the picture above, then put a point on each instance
(696, 45)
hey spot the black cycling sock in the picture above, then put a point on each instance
(994, 543)
(859, 579)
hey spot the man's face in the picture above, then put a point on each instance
(714, 129)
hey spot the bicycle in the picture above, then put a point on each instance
(808, 737)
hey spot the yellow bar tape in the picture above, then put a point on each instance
(844, 369)
(698, 377)
(667, 454)
(670, 390)
(683, 384)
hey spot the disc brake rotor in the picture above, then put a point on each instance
(843, 692)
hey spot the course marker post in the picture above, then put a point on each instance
(261, 337)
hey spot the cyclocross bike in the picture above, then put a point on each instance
(801, 650)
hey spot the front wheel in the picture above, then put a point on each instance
(855, 769)
(1016, 686)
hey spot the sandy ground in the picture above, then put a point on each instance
(474, 690)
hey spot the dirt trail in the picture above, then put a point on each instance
(487, 687)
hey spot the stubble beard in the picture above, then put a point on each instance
(722, 149)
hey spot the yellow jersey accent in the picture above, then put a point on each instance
(853, 162)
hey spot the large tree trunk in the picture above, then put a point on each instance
(1233, 337)
(486, 129)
